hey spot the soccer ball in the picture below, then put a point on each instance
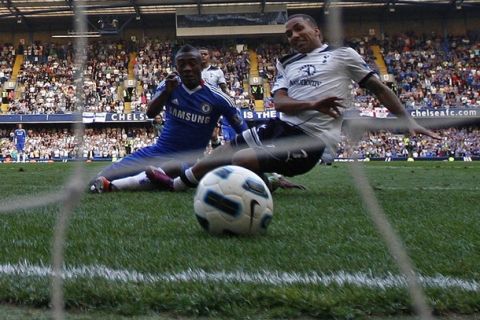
(233, 200)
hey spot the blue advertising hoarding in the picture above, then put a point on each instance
(249, 115)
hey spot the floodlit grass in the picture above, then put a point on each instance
(434, 206)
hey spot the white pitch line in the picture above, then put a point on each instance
(25, 269)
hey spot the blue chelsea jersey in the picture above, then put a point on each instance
(191, 116)
(20, 136)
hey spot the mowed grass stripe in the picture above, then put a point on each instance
(266, 277)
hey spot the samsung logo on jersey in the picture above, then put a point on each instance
(188, 116)
(306, 82)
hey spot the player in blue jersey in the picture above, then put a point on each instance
(20, 137)
(192, 109)
(312, 86)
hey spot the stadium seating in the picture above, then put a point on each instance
(429, 72)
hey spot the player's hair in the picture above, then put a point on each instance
(305, 17)
(187, 49)
(209, 51)
(309, 19)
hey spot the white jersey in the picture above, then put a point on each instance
(213, 76)
(322, 73)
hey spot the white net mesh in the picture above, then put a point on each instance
(73, 190)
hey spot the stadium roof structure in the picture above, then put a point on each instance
(29, 9)
(36, 13)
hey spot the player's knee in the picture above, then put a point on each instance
(246, 158)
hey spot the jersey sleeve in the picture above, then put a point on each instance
(158, 91)
(221, 77)
(232, 114)
(280, 79)
(357, 68)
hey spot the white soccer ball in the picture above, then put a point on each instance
(233, 200)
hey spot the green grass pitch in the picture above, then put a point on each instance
(138, 253)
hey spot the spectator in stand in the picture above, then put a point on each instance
(158, 125)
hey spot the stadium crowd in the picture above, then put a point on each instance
(435, 72)
(111, 143)
(457, 142)
(430, 72)
(7, 58)
(61, 144)
(45, 81)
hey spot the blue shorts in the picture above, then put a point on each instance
(20, 147)
(138, 161)
(282, 148)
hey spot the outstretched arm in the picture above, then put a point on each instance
(388, 98)
(285, 104)
(223, 86)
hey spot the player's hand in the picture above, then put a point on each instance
(418, 129)
(172, 81)
(329, 106)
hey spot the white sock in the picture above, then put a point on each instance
(190, 176)
(138, 182)
(180, 185)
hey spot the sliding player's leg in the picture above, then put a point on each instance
(141, 181)
(190, 176)
(262, 149)
(129, 173)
